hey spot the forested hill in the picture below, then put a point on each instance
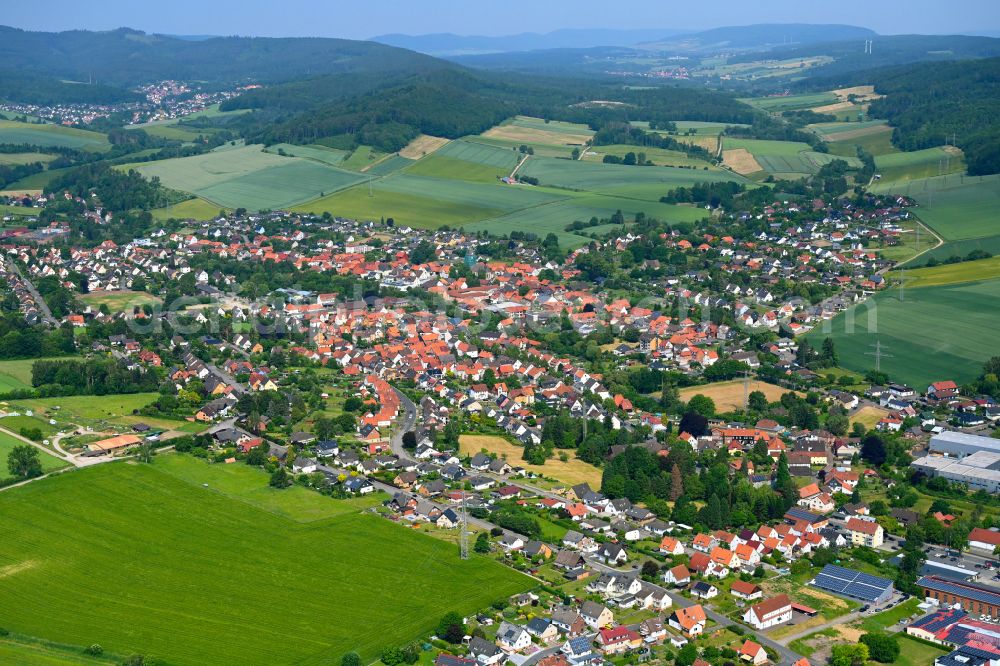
(927, 103)
(456, 102)
(124, 57)
(39, 89)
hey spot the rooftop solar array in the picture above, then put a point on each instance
(981, 593)
(852, 583)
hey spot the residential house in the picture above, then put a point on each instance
(865, 532)
(769, 613)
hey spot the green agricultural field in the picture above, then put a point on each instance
(897, 168)
(559, 126)
(512, 146)
(39, 653)
(555, 217)
(17, 373)
(84, 409)
(194, 209)
(331, 156)
(658, 156)
(407, 210)
(966, 271)
(361, 158)
(467, 160)
(960, 249)
(25, 158)
(913, 332)
(51, 135)
(767, 147)
(119, 301)
(341, 578)
(429, 202)
(36, 181)
(18, 212)
(957, 207)
(874, 143)
(389, 165)
(441, 166)
(248, 177)
(8, 442)
(174, 132)
(480, 153)
(791, 102)
(481, 195)
(646, 183)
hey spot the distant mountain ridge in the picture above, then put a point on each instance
(126, 57)
(449, 44)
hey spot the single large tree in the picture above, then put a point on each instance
(24, 462)
(676, 483)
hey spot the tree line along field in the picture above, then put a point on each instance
(51, 135)
(966, 271)
(658, 156)
(936, 333)
(338, 579)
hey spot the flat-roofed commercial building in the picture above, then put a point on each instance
(974, 598)
(960, 444)
(979, 470)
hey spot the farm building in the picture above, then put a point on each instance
(112, 444)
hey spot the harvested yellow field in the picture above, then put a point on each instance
(423, 145)
(709, 143)
(741, 161)
(571, 472)
(533, 135)
(728, 396)
(860, 93)
(868, 416)
(833, 108)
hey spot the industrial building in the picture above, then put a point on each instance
(959, 444)
(974, 598)
(979, 470)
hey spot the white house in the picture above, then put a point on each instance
(769, 613)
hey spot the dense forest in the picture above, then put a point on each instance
(126, 57)
(89, 377)
(38, 89)
(117, 191)
(455, 102)
(928, 103)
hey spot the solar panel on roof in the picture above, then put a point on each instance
(851, 583)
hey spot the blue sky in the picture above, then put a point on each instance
(359, 19)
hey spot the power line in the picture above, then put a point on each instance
(463, 538)
(878, 354)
